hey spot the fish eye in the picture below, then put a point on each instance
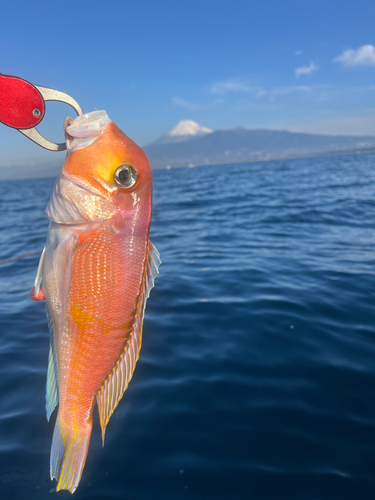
(125, 176)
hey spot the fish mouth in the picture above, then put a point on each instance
(83, 130)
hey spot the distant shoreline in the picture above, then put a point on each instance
(56, 173)
(276, 158)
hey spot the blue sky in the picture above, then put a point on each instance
(295, 65)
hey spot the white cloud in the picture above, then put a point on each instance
(298, 52)
(282, 91)
(191, 106)
(230, 86)
(370, 88)
(358, 125)
(177, 101)
(261, 93)
(364, 56)
(305, 70)
(257, 91)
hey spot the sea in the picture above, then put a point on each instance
(256, 379)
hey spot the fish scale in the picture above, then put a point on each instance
(89, 319)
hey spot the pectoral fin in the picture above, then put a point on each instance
(37, 292)
(52, 389)
(39, 273)
(117, 381)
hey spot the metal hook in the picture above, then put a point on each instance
(51, 95)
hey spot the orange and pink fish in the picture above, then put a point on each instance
(96, 273)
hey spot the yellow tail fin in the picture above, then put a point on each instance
(68, 456)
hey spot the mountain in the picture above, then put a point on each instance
(183, 131)
(240, 144)
(191, 144)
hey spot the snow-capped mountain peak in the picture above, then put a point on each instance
(188, 127)
(183, 131)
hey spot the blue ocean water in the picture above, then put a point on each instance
(256, 378)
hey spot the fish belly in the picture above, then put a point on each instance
(106, 280)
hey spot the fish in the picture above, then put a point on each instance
(95, 273)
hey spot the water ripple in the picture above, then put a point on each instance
(256, 377)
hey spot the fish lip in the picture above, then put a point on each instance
(82, 184)
(106, 185)
(90, 187)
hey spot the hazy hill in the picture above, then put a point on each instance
(191, 144)
(40, 171)
(244, 145)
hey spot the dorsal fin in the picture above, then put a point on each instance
(117, 381)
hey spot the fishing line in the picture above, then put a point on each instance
(19, 257)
